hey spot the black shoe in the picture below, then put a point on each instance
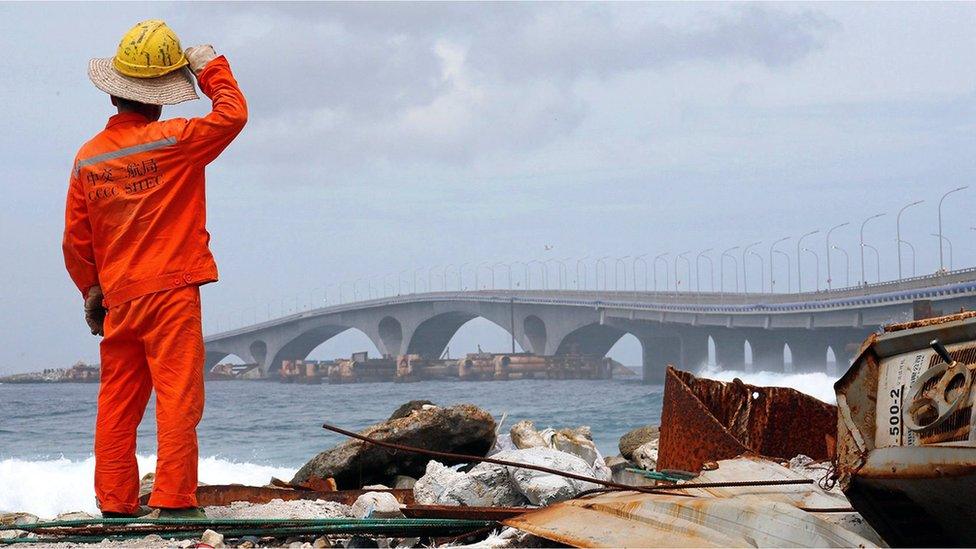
(184, 513)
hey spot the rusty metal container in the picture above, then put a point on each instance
(703, 420)
(906, 442)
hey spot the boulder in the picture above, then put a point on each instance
(486, 485)
(462, 429)
(406, 409)
(213, 539)
(525, 435)
(637, 437)
(376, 505)
(645, 456)
(491, 485)
(576, 441)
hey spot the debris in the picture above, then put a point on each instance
(740, 516)
(906, 444)
(479, 488)
(463, 428)
(645, 455)
(635, 438)
(376, 505)
(705, 420)
(403, 482)
(578, 442)
(321, 543)
(213, 539)
(493, 485)
(299, 509)
(524, 435)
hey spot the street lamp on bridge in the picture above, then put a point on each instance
(711, 270)
(721, 269)
(596, 271)
(789, 271)
(830, 279)
(772, 269)
(949, 244)
(799, 272)
(616, 263)
(899, 241)
(633, 266)
(847, 265)
(687, 262)
(941, 265)
(581, 282)
(875, 216)
(654, 266)
(762, 271)
(543, 269)
(745, 265)
(561, 273)
(500, 263)
(877, 260)
(817, 264)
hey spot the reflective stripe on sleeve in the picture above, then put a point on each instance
(135, 149)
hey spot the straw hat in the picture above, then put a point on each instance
(149, 67)
(169, 89)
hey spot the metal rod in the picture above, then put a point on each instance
(609, 484)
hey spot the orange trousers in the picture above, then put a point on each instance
(151, 342)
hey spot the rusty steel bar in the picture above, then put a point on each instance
(609, 484)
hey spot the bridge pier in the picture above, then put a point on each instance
(688, 351)
(809, 352)
(767, 351)
(730, 349)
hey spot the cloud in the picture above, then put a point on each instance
(454, 83)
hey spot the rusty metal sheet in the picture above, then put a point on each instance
(703, 420)
(462, 512)
(629, 519)
(225, 494)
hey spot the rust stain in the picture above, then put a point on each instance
(703, 420)
(219, 495)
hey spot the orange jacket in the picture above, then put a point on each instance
(135, 221)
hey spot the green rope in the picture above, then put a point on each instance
(285, 527)
(658, 475)
(430, 522)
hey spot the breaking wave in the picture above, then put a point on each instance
(49, 487)
(819, 385)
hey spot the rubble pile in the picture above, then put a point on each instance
(373, 496)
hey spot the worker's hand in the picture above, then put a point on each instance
(199, 56)
(95, 311)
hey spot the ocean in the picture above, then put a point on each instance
(252, 431)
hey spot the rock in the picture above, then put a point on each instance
(488, 487)
(404, 482)
(14, 519)
(491, 485)
(249, 541)
(645, 456)
(577, 441)
(361, 542)
(545, 488)
(146, 483)
(406, 409)
(524, 435)
(212, 539)
(321, 543)
(376, 505)
(74, 515)
(618, 468)
(463, 429)
(637, 437)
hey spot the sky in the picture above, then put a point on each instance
(386, 139)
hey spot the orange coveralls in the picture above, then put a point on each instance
(135, 223)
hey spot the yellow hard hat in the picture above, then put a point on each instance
(150, 49)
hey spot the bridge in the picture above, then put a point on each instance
(672, 327)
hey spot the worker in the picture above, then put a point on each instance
(136, 246)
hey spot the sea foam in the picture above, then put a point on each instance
(819, 385)
(49, 487)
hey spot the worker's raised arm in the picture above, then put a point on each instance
(79, 253)
(209, 135)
